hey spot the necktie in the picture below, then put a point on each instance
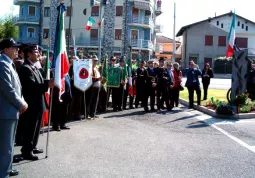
(14, 67)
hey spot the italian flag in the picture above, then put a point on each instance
(100, 22)
(130, 84)
(47, 94)
(231, 37)
(90, 23)
(60, 63)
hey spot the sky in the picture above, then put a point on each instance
(187, 11)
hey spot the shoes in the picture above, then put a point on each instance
(120, 109)
(64, 127)
(146, 109)
(14, 172)
(37, 151)
(56, 128)
(190, 107)
(153, 110)
(30, 156)
(115, 110)
(131, 107)
(17, 159)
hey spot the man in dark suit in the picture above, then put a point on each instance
(12, 105)
(59, 109)
(34, 88)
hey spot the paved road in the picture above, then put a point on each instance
(179, 144)
(217, 83)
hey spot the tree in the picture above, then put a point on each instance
(7, 27)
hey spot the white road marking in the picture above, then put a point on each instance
(214, 122)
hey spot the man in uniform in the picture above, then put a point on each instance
(12, 105)
(163, 81)
(33, 88)
(92, 94)
(151, 85)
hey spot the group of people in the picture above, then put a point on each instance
(23, 100)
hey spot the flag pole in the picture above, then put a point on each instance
(49, 121)
(85, 106)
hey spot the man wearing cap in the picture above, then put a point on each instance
(151, 85)
(12, 105)
(33, 88)
(92, 94)
(163, 81)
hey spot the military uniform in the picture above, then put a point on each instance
(141, 86)
(151, 87)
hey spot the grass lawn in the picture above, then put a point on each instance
(216, 93)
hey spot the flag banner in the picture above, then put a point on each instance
(105, 73)
(60, 62)
(82, 74)
(231, 37)
(90, 22)
(114, 75)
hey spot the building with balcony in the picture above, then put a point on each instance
(140, 24)
(28, 20)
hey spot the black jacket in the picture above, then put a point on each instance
(33, 87)
(206, 80)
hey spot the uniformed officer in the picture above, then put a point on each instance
(151, 85)
(163, 81)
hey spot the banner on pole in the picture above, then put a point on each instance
(114, 75)
(82, 70)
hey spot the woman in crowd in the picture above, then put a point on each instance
(207, 74)
(193, 83)
(177, 84)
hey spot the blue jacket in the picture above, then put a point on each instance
(192, 77)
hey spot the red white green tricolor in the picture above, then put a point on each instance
(231, 37)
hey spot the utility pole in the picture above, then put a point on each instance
(99, 31)
(41, 23)
(174, 44)
(69, 28)
(125, 30)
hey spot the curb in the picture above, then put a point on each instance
(212, 113)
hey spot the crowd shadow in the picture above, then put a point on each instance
(198, 124)
(182, 118)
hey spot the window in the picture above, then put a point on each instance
(31, 10)
(191, 58)
(218, 23)
(93, 33)
(134, 34)
(45, 33)
(46, 11)
(118, 34)
(222, 25)
(68, 11)
(242, 26)
(208, 40)
(95, 11)
(119, 10)
(246, 28)
(222, 41)
(241, 42)
(238, 23)
(30, 32)
(208, 60)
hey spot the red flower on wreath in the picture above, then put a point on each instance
(83, 73)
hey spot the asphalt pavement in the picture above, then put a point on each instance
(183, 143)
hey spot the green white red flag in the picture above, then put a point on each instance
(90, 23)
(231, 37)
(60, 62)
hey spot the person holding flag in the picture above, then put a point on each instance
(33, 88)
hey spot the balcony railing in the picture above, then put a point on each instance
(28, 40)
(141, 20)
(17, 2)
(86, 42)
(26, 19)
(147, 44)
